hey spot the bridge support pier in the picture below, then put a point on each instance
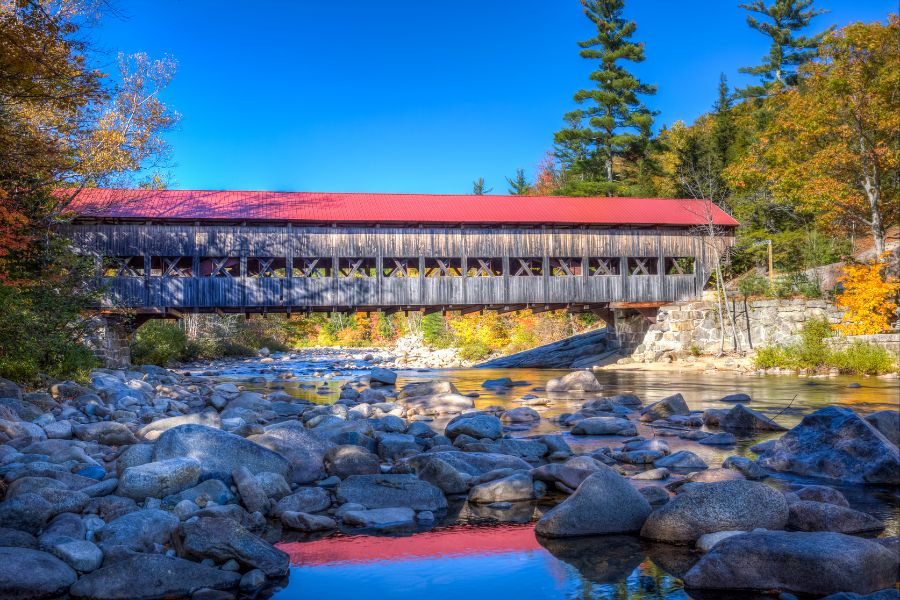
(630, 326)
(112, 340)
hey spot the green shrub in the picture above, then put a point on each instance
(475, 351)
(798, 284)
(435, 331)
(754, 285)
(864, 359)
(159, 342)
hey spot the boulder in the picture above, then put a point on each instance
(604, 503)
(521, 414)
(304, 450)
(383, 519)
(439, 473)
(809, 563)
(822, 493)
(739, 397)
(156, 428)
(438, 404)
(681, 461)
(723, 438)
(251, 492)
(137, 531)
(888, 423)
(497, 384)
(387, 491)
(348, 459)
(665, 408)
(835, 443)
(741, 418)
(427, 388)
(513, 488)
(746, 467)
(307, 500)
(577, 381)
(218, 451)
(302, 521)
(32, 574)
(808, 515)
(721, 506)
(224, 539)
(382, 376)
(152, 577)
(159, 479)
(81, 555)
(478, 425)
(604, 426)
(569, 477)
(108, 433)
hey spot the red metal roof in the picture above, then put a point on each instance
(319, 207)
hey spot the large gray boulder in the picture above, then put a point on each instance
(426, 388)
(348, 459)
(108, 433)
(741, 418)
(478, 425)
(577, 381)
(383, 376)
(306, 500)
(159, 479)
(156, 428)
(665, 408)
(809, 563)
(808, 515)
(304, 450)
(137, 531)
(223, 539)
(152, 577)
(218, 452)
(27, 574)
(382, 519)
(738, 505)
(438, 404)
(604, 503)
(388, 491)
(835, 443)
(513, 488)
(604, 426)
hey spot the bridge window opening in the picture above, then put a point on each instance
(171, 266)
(220, 266)
(527, 267)
(312, 267)
(484, 267)
(643, 265)
(565, 267)
(356, 268)
(400, 267)
(604, 265)
(266, 267)
(123, 266)
(443, 267)
(679, 265)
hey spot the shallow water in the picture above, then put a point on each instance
(476, 552)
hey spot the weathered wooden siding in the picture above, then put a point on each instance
(200, 245)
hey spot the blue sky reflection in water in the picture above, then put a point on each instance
(505, 561)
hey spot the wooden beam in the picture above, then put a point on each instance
(637, 305)
(472, 309)
(502, 310)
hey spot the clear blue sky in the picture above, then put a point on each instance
(410, 95)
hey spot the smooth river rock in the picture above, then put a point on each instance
(604, 426)
(223, 539)
(218, 452)
(388, 491)
(27, 574)
(604, 503)
(810, 563)
(835, 443)
(513, 488)
(722, 506)
(159, 479)
(152, 577)
(808, 515)
(478, 425)
(300, 446)
(667, 407)
(577, 381)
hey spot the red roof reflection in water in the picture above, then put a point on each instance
(458, 540)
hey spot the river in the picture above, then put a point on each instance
(485, 553)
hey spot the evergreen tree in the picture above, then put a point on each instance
(519, 186)
(479, 189)
(606, 141)
(788, 50)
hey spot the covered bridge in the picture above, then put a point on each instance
(166, 252)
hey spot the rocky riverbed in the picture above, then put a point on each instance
(150, 483)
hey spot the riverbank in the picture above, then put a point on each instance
(203, 473)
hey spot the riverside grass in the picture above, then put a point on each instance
(812, 352)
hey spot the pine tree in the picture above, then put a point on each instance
(479, 189)
(519, 186)
(608, 137)
(789, 50)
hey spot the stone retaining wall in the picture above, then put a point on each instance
(693, 327)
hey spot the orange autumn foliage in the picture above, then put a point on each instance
(869, 299)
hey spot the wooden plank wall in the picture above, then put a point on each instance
(244, 243)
